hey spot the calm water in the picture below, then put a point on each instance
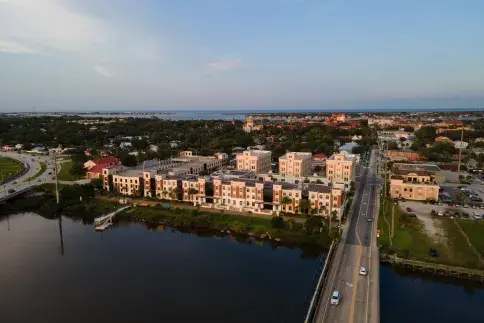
(406, 297)
(129, 274)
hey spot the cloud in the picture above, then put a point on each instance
(225, 64)
(15, 48)
(52, 28)
(103, 70)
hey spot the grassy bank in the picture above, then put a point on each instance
(475, 232)
(287, 231)
(42, 169)
(9, 168)
(65, 172)
(411, 240)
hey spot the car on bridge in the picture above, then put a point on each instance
(335, 298)
(363, 271)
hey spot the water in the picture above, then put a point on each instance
(131, 275)
(406, 297)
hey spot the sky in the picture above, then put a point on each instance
(93, 55)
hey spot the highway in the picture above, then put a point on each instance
(360, 294)
(34, 163)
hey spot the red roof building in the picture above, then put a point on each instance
(96, 171)
(107, 161)
(319, 160)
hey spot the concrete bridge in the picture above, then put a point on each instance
(360, 296)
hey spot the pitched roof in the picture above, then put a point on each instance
(319, 188)
(105, 160)
(98, 169)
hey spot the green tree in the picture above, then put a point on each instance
(304, 205)
(285, 201)
(277, 222)
(191, 191)
(313, 223)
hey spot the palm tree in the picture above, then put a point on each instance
(191, 192)
(174, 193)
(334, 213)
(165, 193)
(304, 205)
(286, 200)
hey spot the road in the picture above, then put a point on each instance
(34, 164)
(360, 294)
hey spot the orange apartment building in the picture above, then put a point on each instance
(239, 194)
(403, 155)
(413, 185)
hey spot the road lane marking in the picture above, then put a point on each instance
(355, 283)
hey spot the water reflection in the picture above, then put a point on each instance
(129, 275)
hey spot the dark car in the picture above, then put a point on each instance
(10, 191)
(465, 215)
(15, 182)
(433, 252)
(456, 214)
(433, 212)
(411, 215)
(409, 209)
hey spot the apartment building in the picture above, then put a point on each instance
(296, 164)
(413, 185)
(341, 167)
(168, 187)
(286, 192)
(258, 161)
(239, 194)
(129, 182)
(193, 189)
(403, 155)
(324, 200)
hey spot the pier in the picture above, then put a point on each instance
(105, 221)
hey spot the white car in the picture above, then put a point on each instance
(363, 271)
(335, 298)
(441, 213)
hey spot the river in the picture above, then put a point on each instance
(408, 297)
(131, 274)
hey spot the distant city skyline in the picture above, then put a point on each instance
(74, 55)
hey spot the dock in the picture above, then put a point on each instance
(105, 221)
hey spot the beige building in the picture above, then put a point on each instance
(324, 200)
(341, 167)
(295, 164)
(282, 192)
(238, 194)
(413, 185)
(258, 161)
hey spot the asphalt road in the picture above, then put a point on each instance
(34, 163)
(360, 294)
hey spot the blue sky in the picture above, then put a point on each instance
(240, 54)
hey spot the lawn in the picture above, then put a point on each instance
(475, 231)
(42, 169)
(65, 174)
(9, 168)
(411, 240)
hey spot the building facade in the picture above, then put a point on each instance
(414, 185)
(258, 161)
(295, 164)
(341, 167)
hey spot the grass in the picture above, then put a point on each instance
(65, 174)
(475, 231)
(411, 241)
(10, 167)
(42, 169)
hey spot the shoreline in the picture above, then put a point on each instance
(433, 269)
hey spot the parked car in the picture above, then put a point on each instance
(10, 191)
(456, 213)
(433, 252)
(15, 182)
(477, 216)
(433, 212)
(440, 213)
(465, 215)
(465, 205)
(446, 213)
(411, 215)
(335, 297)
(457, 205)
(409, 209)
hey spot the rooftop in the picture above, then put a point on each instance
(319, 188)
(297, 155)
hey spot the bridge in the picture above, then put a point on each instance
(359, 294)
(105, 221)
(7, 197)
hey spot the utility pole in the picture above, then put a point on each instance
(56, 179)
(460, 150)
(385, 173)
